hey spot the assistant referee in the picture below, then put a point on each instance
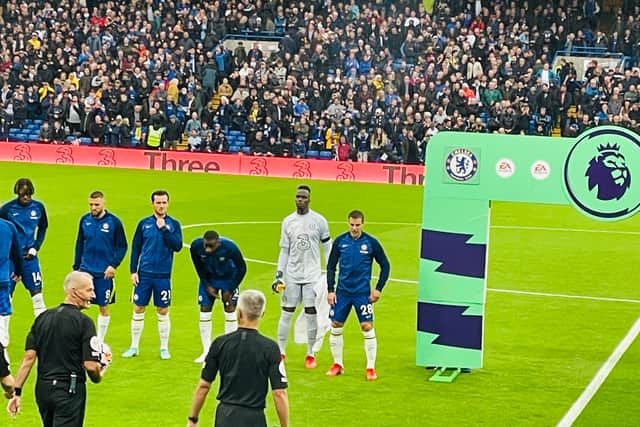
(64, 342)
(247, 362)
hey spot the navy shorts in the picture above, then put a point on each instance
(104, 289)
(5, 299)
(340, 311)
(205, 299)
(160, 287)
(31, 275)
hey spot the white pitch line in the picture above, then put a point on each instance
(415, 282)
(567, 230)
(578, 406)
(549, 294)
(414, 224)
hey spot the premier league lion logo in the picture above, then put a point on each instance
(609, 172)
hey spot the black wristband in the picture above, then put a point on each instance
(17, 391)
(193, 419)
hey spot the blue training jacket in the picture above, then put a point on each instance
(355, 258)
(10, 251)
(152, 248)
(101, 242)
(225, 263)
(30, 221)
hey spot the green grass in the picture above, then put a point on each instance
(540, 351)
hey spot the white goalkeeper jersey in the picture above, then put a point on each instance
(303, 235)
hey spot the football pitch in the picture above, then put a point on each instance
(563, 293)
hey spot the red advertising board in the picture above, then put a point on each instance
(232, 164)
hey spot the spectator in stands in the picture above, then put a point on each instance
(173, 133)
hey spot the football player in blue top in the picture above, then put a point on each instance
(10, 270)
(100, 248)
(156, 239)
(354, 252)
(221, 268)
(30, 219)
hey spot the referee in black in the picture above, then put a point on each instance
(247, 362)
(6, 380)
(64, 341)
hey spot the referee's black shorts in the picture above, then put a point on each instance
(239, 416)
(57, 406)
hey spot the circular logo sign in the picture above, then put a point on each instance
(598, 173)
(505, 168)
(540, 170)
(461, 164)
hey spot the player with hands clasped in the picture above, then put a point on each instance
(299, 269)
(156, 239)
(354, 252)
(221, 268)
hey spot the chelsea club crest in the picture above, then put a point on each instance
(461, 164)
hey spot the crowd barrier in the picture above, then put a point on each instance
(231, 164)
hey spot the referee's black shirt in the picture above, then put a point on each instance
(247, 361)
(63, 338)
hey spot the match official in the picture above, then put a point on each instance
(156, 239)
(221, 268)
(247, 362)
(64, 342)
(6, 379)
(355, 250)
(100, 247)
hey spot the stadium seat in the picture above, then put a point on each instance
(326, 155)
(85, 141)
(246, 150)
(234, 149)
(312, 154)
(234, 133)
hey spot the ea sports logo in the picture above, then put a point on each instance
(598, 173)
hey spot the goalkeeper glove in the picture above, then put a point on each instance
(278, 285)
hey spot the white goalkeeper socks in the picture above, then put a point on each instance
(103, 325)
(312, 332)
(164, 328)
(230, 322)
(137, 325)
(336, 343)
(205, 330)
(370, 348)
(284, 324)
(38, 304)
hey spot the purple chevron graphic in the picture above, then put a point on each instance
(452, 327)
(456, 255)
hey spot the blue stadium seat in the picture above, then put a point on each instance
(234, 133)
(242, 139)
(246, 150)
(312, 154)
(85, 141)
(326, 155)
(70, 139)
(38, 121)
(234, 149)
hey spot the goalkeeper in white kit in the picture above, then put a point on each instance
(299, 269)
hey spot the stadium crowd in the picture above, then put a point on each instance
(370, 81)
